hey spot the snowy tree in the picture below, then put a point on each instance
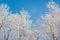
(4, 10)
(15, 26)
(50, 22)
(25, 19)
(53, 20)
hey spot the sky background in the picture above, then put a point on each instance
(36, 8)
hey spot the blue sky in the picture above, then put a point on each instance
(35, 7)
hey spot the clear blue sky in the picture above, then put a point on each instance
(35, 7)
